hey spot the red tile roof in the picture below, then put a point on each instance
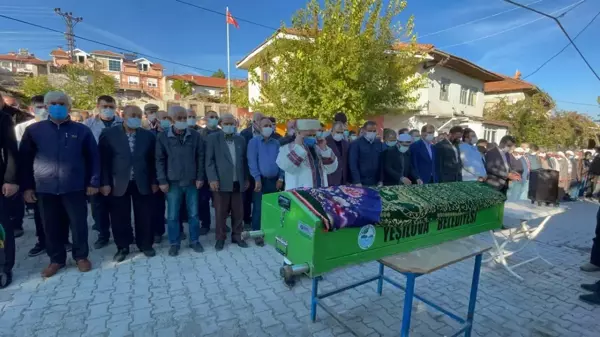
(508, 84)
(157, 66)
(24, 59)
(106, 53)
(204, 81)
(59, 53)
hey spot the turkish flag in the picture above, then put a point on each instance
(231, 20)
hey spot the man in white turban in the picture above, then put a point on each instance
(306, 161)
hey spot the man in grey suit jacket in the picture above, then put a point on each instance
(227, 173)
(128, 175)
(447, 162)
(497, 165)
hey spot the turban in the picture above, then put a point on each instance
(405, 137)
(308, 124)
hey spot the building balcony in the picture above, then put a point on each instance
(152, 91)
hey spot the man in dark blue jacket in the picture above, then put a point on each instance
(248, 133)
(365, 157)
(422, 154)
(60, 166)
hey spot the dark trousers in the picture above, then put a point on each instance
(15, 206)
(101, 216)
(9, 237)
(120, 215)
(204, 198)
(269, 185)
(248, 196)
(39, 226)
(51, 207)
(229, 203)
(595, 256)
(158, 213)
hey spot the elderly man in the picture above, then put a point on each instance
(227, 173)
(58, 175)
(150, 120)
(262, 156)
(106, 117)
(212, 126)
(473, 166)
(129, 176)
(497, 165)
(365, 157)
(180, 173)
(192, 119)
(339, 145)
(397, 166)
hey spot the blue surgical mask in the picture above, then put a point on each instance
(326, 134)
(165, 123)
(134, 122)
(212, 122)
(151, 117)
(108, 113)
(267, 132)
(310, 141)
(191, 121)
(429, 137)
(346, 133)
(403, 148)
(319, 134)
(58, 112)
(391, 143)
(370, 136)
(415, 138)
(179, 125)
(338, 137)
(229, 129)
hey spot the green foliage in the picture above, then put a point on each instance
(239, 96)
(36, 85)
(532, 120)
(219, 74)
(341, 60)
(183, 88)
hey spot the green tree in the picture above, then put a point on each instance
(219, 74)
(346, 57)
(183, 88)
(239, 96)
(37, 85)
(570, 129)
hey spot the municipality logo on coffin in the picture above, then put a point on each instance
(366, 237)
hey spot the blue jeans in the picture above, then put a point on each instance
(174, 200)
(269, 185)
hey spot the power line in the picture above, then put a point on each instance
(224, 14)
(107, 45)
(577, 103)
(564, 48)
(71, 22)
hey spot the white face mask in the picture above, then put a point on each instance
(370, 136)
(429, 137)
(151, 117)
(40, 113)
(473, 141)
(403, 148)
(338, 137)
(267, 131)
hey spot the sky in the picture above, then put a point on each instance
(491, 33)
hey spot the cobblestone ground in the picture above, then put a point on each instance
(238, 293)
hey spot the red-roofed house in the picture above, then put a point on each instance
(512, 89)
(22, 63)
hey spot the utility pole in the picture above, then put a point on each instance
(71, 22)
(556, 19)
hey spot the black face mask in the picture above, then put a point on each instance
(482, 149)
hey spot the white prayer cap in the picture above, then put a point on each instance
(560, 153)
(570, 153)
(519, 150)
(308, 124)
(405, 137)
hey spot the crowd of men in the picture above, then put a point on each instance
(151, 162)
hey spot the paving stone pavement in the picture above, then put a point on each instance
(237, 292)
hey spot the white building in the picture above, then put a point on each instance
(512, 89)
(22, 63)
(453, 94)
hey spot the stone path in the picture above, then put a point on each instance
(238, 293)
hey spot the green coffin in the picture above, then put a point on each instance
(412, 217)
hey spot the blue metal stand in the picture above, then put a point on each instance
(409, 288)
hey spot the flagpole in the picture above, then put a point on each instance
(228, 64)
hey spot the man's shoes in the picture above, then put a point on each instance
(5, 279)
(204, 230)
(150, 252)
(121, 255)
(594, 287)
(68, 247)
(174, 251)
(52, 269)
(84, 265)
(219, 245)
(158, 239)
(100, 243)
(589, 268)
(197, 247)
(19, 232)
(591, 298)
(38, 249)
(240, 243)
(259, 242)
(183, 236)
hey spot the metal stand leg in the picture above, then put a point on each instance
(380, 280)
(473, 296)
(408, 301)
(314, 299)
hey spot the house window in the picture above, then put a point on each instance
(444, 89)
(472, 97)
(152, 83)
(207, 108)
(133, 80)
(5, 64)
(80, 59)
(194, 107)
(463, 95)
(114, 65)
(489, 135)
(143, 67)
(223, 109)
(20, 65)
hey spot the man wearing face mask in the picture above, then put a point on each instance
(397, 166)
(60, 185)
(533, 157)
(10, 106)
(422, 154)
(192, 119)
(497, 165)
(415, 134)
(262, 156)
(106, 117)
(151, 121)
(129, 176)
(365, 157)
(473, 168)
(482, 147)
(248, 133)
(227, 174)
(205, 197)
(290, 134)
(339, 145)
(447, 160)
(180, 172)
